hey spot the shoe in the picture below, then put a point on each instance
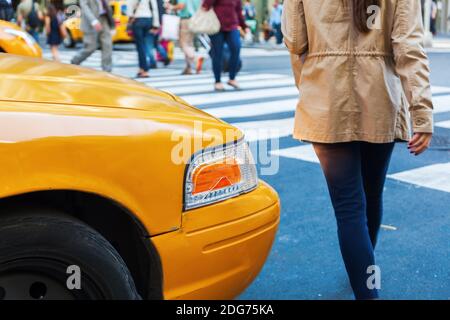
(199, 67)
(219, 87)
(187, 72)
(234, 85)
(166, 62)
(142, 75)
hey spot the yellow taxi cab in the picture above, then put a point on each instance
(114, 190)
(120, 34)
(14, 40)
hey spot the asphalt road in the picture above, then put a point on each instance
(305, 263)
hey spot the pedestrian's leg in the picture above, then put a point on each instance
(107, 46)
(55, 52)
(341, 164)
(233, 39)
(375, 163)
(90, 45)
(217, 54)
(35, 34)
(149, 45)
(139, 34)
(278, 33)
(187, 44)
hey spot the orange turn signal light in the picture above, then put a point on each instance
(216, 175)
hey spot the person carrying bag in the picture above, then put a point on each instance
(186, 9)
(144, 24)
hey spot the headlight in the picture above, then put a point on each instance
(21, 34)
(219, 173)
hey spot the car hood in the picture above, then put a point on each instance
(41, 81)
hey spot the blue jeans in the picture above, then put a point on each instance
(159, 48)
(277, 32)
(233, 40)
(35, 34)
(144, 41)
(355, 173)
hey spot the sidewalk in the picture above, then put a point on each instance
(440, 43)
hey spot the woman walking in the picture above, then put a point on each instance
(54, 30)
(144, 16)
(350, 68)
(230, 16)
(185, 10)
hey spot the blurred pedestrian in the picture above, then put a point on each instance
(275, 21)
(96, 24)
(29, 17)
(159, 48)
(145, 20)
(185, 10)
(249, 10)
(433, 18)
(230, 16)
(353, 109)
(250, 20)
(6, 10)
(54, 29)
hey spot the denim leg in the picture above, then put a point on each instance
(278, 33)
(217, 41)
(341, 164)
(139, 32)
(233, 40)
(375, 163)
(149, 48)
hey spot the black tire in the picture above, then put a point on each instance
(68, 41)
(36, 250)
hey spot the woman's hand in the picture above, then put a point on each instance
(419, 143)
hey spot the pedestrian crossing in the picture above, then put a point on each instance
(264, 110)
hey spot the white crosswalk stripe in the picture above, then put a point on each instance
(443, 124)
(233, 96)
(254, 109)
(436, 176)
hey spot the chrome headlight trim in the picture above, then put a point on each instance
(238, 150)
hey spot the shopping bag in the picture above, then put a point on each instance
(204, 22)
(170, 27)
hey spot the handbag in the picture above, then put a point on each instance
(204, 22)
(170, 27)
(131, 20)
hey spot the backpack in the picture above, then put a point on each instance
(33, 19)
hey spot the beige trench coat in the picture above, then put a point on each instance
(354, 86)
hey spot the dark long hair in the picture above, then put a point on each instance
(360, 15)
(51, 11)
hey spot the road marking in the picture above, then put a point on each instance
(232, 96)
(443, 124)
(195, 80)
(436, 176)
(441, 104)
(244, 86)
(254, 109)
(304, 152)
(267, 129)
(440, 90)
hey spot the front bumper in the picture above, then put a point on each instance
(221, 248)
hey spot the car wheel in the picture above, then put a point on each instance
(68, 40)
(45, 256)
